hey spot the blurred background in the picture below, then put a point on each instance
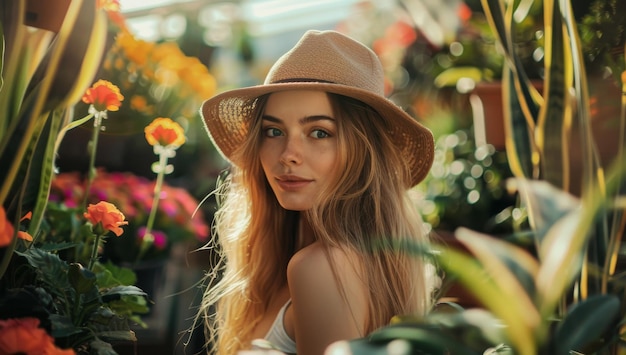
(442, 66)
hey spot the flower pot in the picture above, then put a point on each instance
(488, 112)
(47, 15)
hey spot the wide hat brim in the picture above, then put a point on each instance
(226, 117)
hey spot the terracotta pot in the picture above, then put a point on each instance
(47, 15)
(486, 102)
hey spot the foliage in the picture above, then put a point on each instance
(473, 54)
(567, 294)
(52, 276)
(465, 187)
(602, 34)
(84, 309)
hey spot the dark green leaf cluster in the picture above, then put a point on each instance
(82, 308)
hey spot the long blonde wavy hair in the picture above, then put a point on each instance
(367, 210)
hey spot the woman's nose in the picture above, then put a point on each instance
(292, 152)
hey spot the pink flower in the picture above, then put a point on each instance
(160, 239)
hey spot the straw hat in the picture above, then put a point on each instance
(331, 62)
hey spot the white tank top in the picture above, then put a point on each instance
(277, 338)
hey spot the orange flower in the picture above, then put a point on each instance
(6, 229)
(23, 336)
(165, 132)
(104, 96)
(107, 216)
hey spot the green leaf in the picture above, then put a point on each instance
(451, 76)
(17, 151)
(100, 347)
(118, 335)
(591, 172)
(421, 338)
(63, 327)
(128, 305)
(13, 39)
(40, 173)
(518, 127)
(2, 52)
(54, 247)
(554, 119)
(51, 269)
(113, 275)
(545, 204)
(521, 99)
(61, 77)
(497, 256)
(487, 290)
(119, 291)
(81, 279)
(586, 322)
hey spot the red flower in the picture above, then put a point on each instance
(104, 96)
(23, 336)
(107, 216)
(165, 132)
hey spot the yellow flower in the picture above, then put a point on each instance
(168, 54)
(139, 103)
(104, 96)
(107, 216)
(108, 5)
(165, 132)
(137, 51)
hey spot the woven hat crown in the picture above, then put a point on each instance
(329, 57)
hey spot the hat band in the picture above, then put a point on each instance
(303, 80)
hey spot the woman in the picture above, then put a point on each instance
(316, 203)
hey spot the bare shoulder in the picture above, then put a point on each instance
(328, 297)
(317, 262)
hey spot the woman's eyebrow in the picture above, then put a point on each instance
(303, 120)
(315, 118)
(272, 119)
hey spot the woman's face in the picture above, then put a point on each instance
(298, 146)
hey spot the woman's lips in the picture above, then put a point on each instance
(291, 183)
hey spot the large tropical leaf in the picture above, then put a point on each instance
(554, 120)
(487, 287)
(55, 84)
(520, 97)
(585, 322)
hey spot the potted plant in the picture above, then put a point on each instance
(602, 29)
(565, 295)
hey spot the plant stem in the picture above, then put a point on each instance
(148, 238)
(91, 174)
(94, 252)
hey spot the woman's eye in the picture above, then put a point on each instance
(318, 133)
(273, 132)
